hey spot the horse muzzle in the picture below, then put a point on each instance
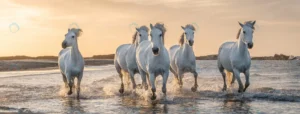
(250, 45)
(64, 45)
(155, 50)
(191, 43)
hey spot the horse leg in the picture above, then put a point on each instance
(131, 73)
(180, 74)
(194, 88)
(236, 73)
(148, 81)
(175, 75)
(165, 79)
(65, 80)
(70, 82)
(152, 80)
(144, 79)
(221, 69)
(78, 84)
(247, 74)
(118, 68)
(233, 78)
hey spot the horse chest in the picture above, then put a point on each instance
(241, 64)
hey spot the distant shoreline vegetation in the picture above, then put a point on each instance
(111, 56)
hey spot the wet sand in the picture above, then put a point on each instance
(33, 64)
(275, 88)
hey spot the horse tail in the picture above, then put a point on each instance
(228, 77)
(126, 76)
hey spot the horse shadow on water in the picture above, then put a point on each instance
(72, 106)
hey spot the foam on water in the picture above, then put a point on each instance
(100, 88)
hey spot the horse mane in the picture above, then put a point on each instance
(247, 23)
(77, 31)
(181, 40)
(162, 28)
(190, 27)
(134, 37)
(145, 28)
(238, 34)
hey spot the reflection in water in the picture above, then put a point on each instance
(72, 106)
(143, 106)
(237, 106)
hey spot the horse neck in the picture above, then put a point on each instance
(242, 47)
(75, 54)
(186, 49)
(138, 41)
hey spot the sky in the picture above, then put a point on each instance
(106, 24)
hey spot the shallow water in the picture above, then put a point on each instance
(275, 88)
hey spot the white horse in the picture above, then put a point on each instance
(182, 56)
(70, 61)
(125, 59)
(153, 58)
(234, 57)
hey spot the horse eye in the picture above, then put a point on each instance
(160, 35)
(244, 32)
(73, 36)
(185, 33)
(140, 34)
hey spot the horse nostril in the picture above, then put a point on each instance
(155, 50)
(64, 45)
(250, 45)
(191, 42)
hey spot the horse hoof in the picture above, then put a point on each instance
(224, 89)
(240, 91)
(70, 92)
(121, 91)
(153, 97)
(194, 89)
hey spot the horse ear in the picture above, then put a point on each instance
(137, 29)
(241, 24)
(151, 26)
(182, 27)
(69, 30)
(253, 22)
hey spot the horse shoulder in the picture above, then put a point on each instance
(142, 54)
(120, 56)
(173, 50)
(131, 57)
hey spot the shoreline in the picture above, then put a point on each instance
(40, 64)
(32, 64)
